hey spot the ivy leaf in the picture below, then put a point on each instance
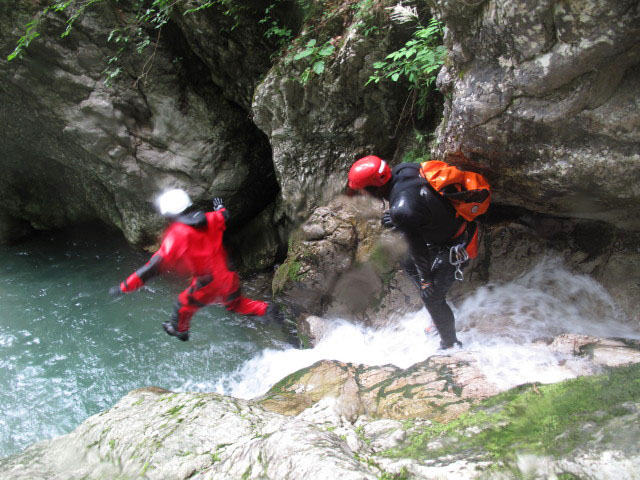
(326, 51)
(305, 76)
(303, 54)
(318, 67)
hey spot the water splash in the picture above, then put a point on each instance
(501, 325)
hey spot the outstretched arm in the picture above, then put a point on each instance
(138, 278)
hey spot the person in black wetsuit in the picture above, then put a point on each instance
(430, 226)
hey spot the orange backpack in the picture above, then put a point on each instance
(468, 192)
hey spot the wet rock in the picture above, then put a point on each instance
(158, 435)
(13, 229)
(508, 250)
(607, 352)
(353, 271)
(352, 421)
(440, 388)
(336, 264)
(312, 329)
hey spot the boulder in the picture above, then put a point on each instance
(319, 124)
(542, 96)
(356, 422)
(440, 388)
(339, 262)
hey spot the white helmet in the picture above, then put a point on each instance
(173, 202)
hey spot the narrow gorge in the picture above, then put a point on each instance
(267, 104)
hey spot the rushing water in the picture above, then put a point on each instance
(68, 350)
(498, 324)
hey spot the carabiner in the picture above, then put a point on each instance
(457, 256)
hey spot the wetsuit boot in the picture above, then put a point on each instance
(171, 327)
(274, 313)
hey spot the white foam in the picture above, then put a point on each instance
(498, 324)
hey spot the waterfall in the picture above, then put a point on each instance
(502, 325)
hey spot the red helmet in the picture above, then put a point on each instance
(370, 171)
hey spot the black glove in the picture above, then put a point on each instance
(386, 220)
(217, 204)
(115, 291)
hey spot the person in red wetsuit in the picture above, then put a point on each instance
(192, 246)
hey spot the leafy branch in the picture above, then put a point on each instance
(418, 61)
(134, 33)
(315, 58)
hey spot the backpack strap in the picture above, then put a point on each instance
(467, 196)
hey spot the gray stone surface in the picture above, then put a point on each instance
(544, 97)
(76, 150)
(318, 128)
(336, 421)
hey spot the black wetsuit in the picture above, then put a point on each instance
(429, 224)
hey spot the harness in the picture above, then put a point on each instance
(457, 248)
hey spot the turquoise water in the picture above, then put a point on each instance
(68, 350)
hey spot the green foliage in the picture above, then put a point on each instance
(417, 62)
(140, 31)
(280, 33)
(419, 148)
(31, 28)
(314, 57)
(31, 33)
(366, 14)
(543, 419)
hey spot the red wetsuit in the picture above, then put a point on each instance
(192, 246)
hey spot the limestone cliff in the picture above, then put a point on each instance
(544, 95)
(77, 150)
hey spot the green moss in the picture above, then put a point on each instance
(567, 476)
(542, 419)
(247, 473)
(445, 373)
(293, 272)
(401, 475)
(173, 411)
(288, 271)
(305, 342)
(288, 381)
(360, 433)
